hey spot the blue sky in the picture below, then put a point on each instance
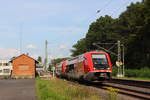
(61, 22)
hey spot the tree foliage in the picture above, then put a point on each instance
(131, 28)
(101, 31)
(39, 59)
(58, 60)
(79, 48)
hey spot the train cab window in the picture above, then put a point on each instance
(100, 61)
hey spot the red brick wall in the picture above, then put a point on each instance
(23, 66)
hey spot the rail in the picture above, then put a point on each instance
(135, 88)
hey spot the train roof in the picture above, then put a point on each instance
(96, 51)
(80, 57)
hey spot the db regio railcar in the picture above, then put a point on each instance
(90, 66)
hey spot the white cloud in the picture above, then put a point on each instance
(35, 56)
(31, 46)
(61, 47)
(51, 57)
(59, 51)
(55, 57)
(6, 53)
(60, 56)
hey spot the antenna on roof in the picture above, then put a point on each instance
(20, 37)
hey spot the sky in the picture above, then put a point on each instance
(61, 22)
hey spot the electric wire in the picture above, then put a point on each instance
(103, 8)
(128, 1)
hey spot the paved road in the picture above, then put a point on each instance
(23, 89)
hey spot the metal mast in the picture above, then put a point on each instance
(21, 28)
(119, 59)
(123, 60)
(119, 55)
(46, 55)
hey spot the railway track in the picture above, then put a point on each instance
(137, 83)
(134, 88)
(134, 91)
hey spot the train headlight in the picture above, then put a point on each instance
(88, 69)
(108, 68)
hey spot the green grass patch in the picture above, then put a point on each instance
(139, 74)
(57, 89)
(137, 78)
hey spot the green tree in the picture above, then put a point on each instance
(79, 47)
(101, 31)
(132, 28)
(39, 59)
(58, 60)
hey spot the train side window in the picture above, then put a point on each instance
(67, 68)
(71, 67)
(85, 61)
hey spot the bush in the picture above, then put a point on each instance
(138, 73)
(114, 72)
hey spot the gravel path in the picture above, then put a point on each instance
(22, 89)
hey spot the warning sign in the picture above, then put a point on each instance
(119, 63)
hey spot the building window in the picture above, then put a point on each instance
(0, 71)
(1, 64)
(24, 68)
(6, 64)
(6, 70)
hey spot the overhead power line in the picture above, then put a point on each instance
(120, 7)
(107, 4)
(120, 54)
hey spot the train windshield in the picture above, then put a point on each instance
(100, 61)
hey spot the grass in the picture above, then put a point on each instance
(137, 78)
(138, 74)
(112, 93)
(57, 89)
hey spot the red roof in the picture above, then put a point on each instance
(24, 55)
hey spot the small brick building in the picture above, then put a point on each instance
(23, 67)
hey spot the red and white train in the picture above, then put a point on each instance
(90, 66)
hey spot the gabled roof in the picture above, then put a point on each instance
(24, 55)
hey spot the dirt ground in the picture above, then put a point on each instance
(21, 89)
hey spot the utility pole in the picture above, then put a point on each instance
(119, 59)
(46, 55)
(123, 60)
(21, 29)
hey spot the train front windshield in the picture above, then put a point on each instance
(100, 61)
